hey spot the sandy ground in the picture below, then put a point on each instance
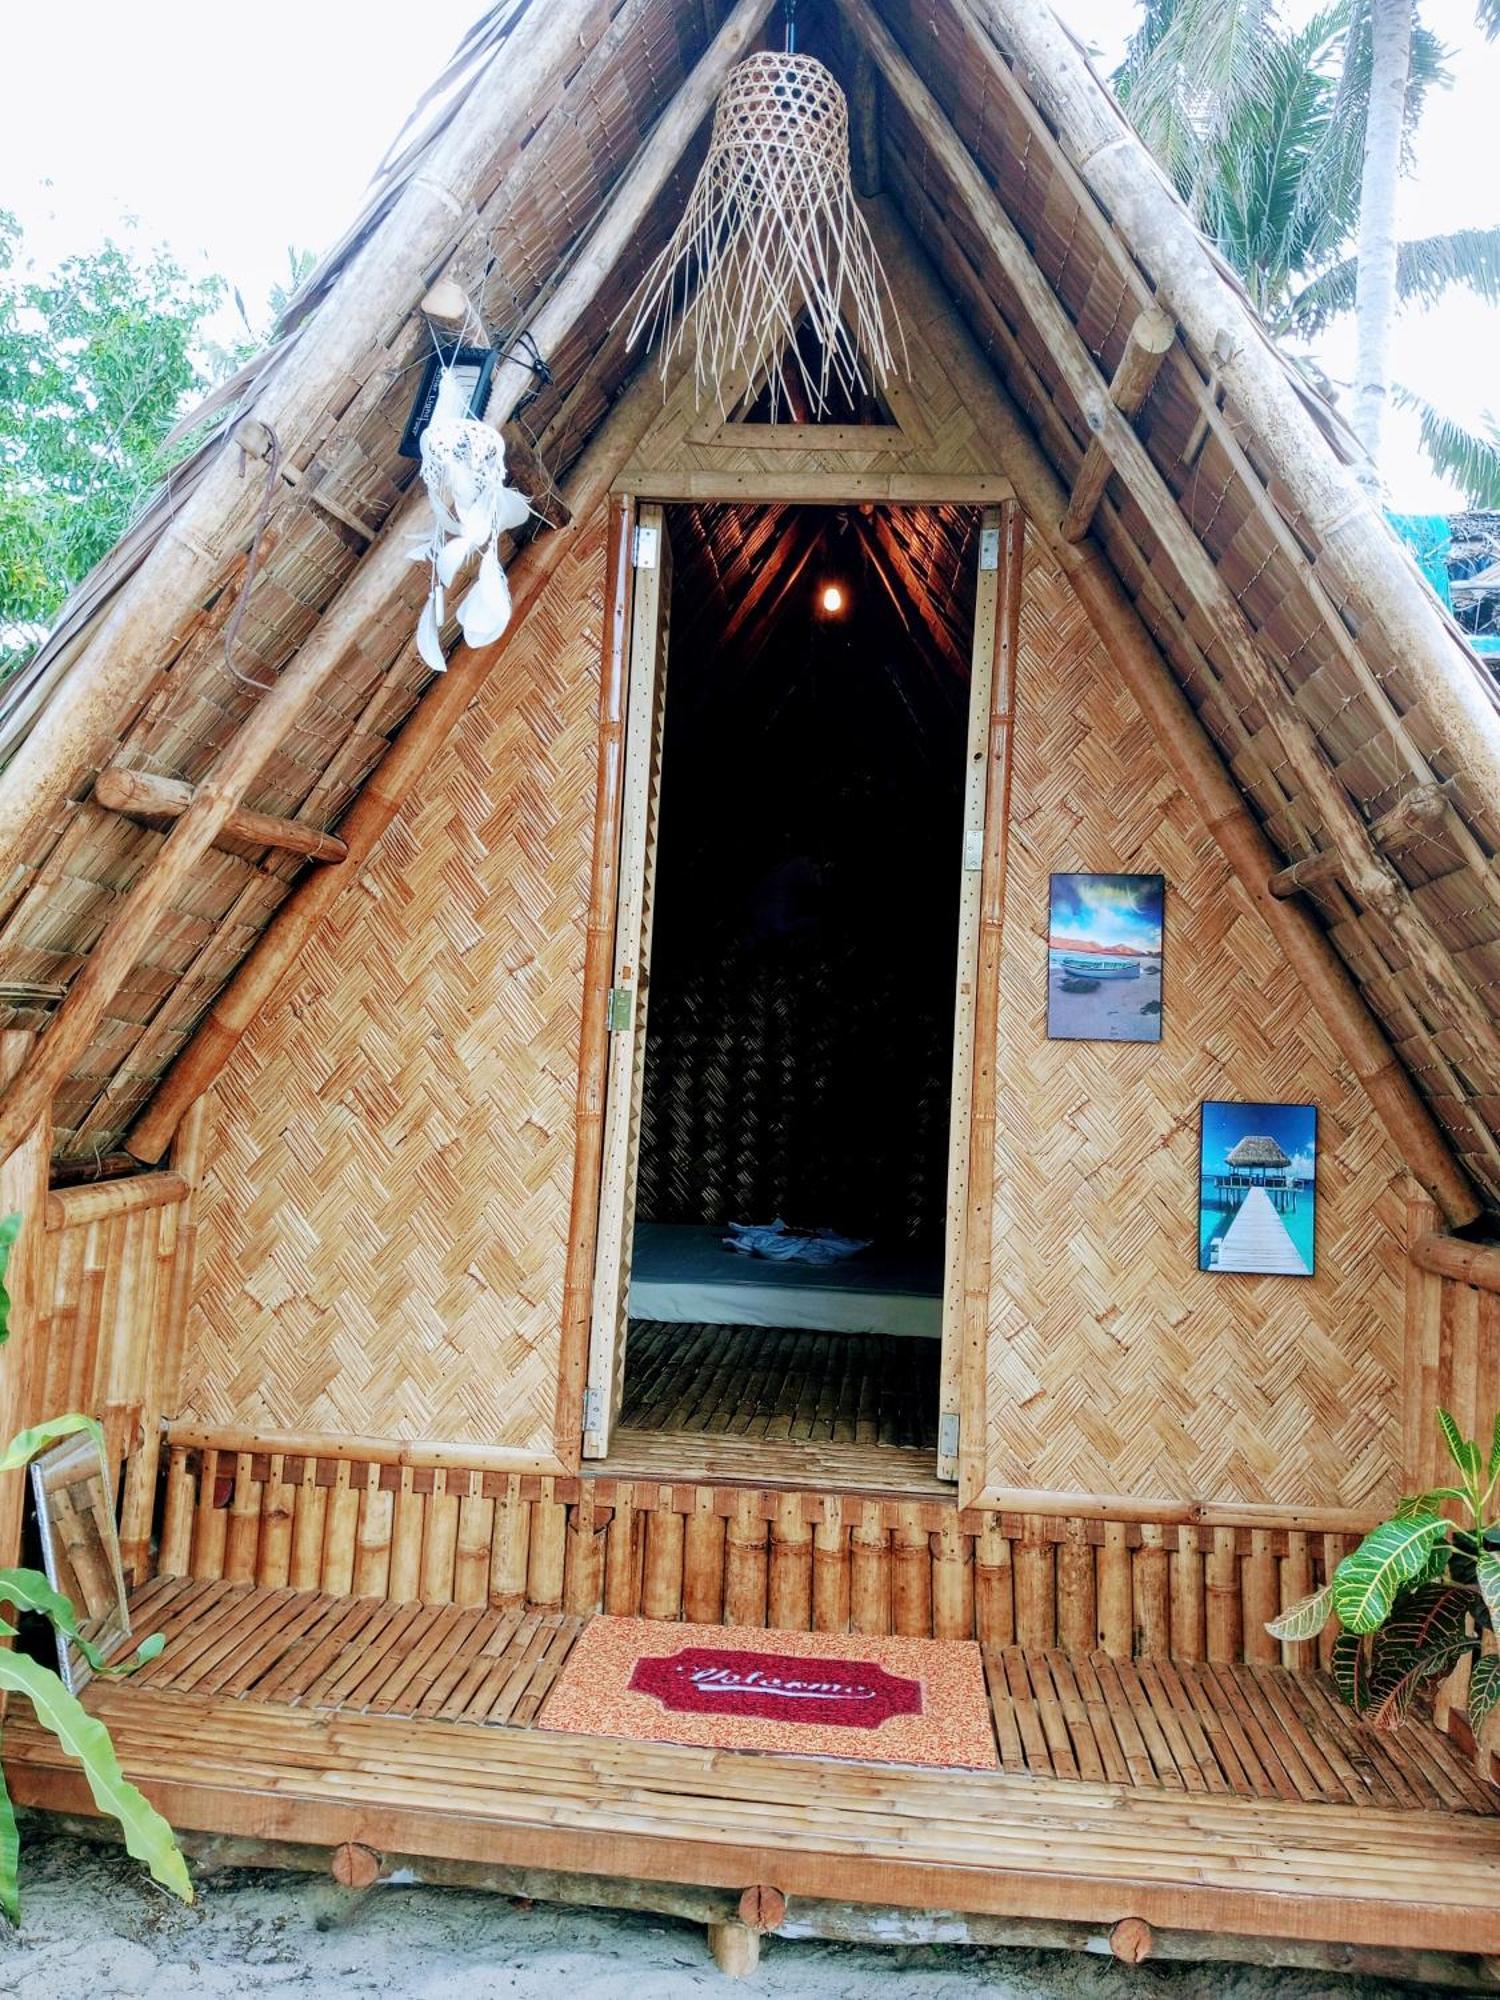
(94, 1929)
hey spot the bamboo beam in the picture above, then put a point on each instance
(1420, 815)
(389, 270)
(1146, 348)
(387, 788)
(362, 599)
(1378, 577)
(1198, 768)
(146, 795)
(1475, 1264)
(80, 1207)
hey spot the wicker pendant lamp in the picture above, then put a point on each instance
(771, 232)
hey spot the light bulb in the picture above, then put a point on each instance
(833, 599)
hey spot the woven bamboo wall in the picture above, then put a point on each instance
(1115, 1366)
(793, 1561)
(386, 1214)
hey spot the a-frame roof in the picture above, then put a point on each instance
(541, 175)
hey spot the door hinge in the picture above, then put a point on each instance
(989, 548)
(620, 1016)
(648, 540)
(948, 1436)
(973, 849)
(593, 1409)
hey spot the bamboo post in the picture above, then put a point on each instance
(175, 1554)
(583, 1557)
(831, 1610)
(1036, 1584)
(1077, 1598)
(911, 1575)
(623, 1556)
(242, 1534)
(305, 1571)
(1198, 768)
(510, 1553)
(1151, 1591)
(1116, 1595)
(869, 1570)
(210, 1524)
(703, 1563)
(340, 1532)
(745, 1563)
(1186, 1588)
(274, 1556)
(23, 1192)
(662, 1564)
(547, 1562)
(994, 1591)
(372, 1542)
(1225, 1612)
(952, 1581)
(790, 1585)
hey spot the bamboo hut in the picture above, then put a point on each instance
(383, 1231)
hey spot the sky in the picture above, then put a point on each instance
(229, 136)
(1111, 910)
(1290, 1125)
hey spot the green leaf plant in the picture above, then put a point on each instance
(1417, 1596)
(147, 1835)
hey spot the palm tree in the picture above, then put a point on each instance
(1269, 133)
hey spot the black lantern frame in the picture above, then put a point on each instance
(477, 363)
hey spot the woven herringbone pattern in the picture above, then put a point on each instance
(387, 1217)
(1115, 1366)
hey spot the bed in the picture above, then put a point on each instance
(683, 1272)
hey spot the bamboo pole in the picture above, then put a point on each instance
(146, 795)
(661, 1565)
(1449, 1257)
(789, 1585)
(1146, 348)
(389, 270)
(101, 1201)
(386, 790)
(1380, 580)
(1419, 815)
(23, 1192)
(1196, 765)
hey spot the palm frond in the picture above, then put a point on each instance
(1487, 18)
(1426, 269)
(1470, 458)
(1191, 65)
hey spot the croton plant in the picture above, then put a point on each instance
(1418, 1595)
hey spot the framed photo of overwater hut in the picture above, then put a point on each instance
(1257, 1189)
(1104, 952)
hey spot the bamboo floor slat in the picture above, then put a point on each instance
(781, 1383)
(1241, 1798)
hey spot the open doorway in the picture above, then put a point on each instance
(785, 1258)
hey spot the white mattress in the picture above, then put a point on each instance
(683, 1273)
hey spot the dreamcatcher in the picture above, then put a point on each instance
(463, 470)
(772, 227)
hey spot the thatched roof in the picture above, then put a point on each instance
(1255, 1150)
(1332, 684)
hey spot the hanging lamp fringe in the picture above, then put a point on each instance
(772, 231)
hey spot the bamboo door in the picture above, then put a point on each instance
(630, 991)
(971, 1133)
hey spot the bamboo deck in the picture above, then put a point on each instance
(1233, 1798)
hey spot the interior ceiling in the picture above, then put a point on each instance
(1429, 964)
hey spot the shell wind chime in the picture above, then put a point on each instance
(772, 231)
(463, 469)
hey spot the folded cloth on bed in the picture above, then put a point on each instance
(793, 1246)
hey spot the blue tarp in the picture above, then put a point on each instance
(1430, 538)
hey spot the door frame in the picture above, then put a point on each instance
(599, 1236)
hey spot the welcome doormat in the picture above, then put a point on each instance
(811, 1694)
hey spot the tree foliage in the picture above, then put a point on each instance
(1261, 128)
(97, 361)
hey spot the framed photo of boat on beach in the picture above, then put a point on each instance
(1257, 1189)
(1104, 955)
